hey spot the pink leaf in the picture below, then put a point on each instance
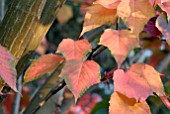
(74, 49)
(139, 82)
(7, 68)
(164, 26)
(120, 43)
(79, 76)
(45, 64)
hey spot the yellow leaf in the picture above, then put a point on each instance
(65, 14)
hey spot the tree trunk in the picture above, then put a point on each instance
(25, 24)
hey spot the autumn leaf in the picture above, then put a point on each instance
(74, 49)
(79, 76)
(165, 6)
(154, 44)
(7, 69)
(124, 105)
(139, 82)
(154, 2)
(164, 27)
(120, 43)
(110, 4)
(151, 30)
(46, 63)
(165, 101)
(65, 14)
(137, 13)
(96, 16)
(156, 58)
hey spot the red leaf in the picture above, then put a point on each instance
(9, 101)
(136, 14)
(79, 76)
(7, 68)
(74, 49)
(120, 43)
(84, 105)
(45, 64)
(151, 29)
(124, 105)
(139, 82)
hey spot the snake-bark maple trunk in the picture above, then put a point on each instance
(25, 24)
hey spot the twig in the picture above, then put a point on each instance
(53, 91)
(17, 99)
(45, 90)
(2, 9)
(164, 63)
(90, 57)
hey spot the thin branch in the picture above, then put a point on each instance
(17, 99)
(45, 90)
(53, 91)
(164, 63)
(2, 9)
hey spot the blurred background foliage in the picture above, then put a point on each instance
(68, 24)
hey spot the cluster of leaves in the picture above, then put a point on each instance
(132, 85)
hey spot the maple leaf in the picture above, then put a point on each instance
(74, 49)
(164, 27)
(79, 76)
(139, 82)
(7, 69)
(119, 42)
(137, 13)
(110, 4)
(46, 63)
(124, 105)
(96, 16)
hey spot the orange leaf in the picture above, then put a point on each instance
(110, 4)
(7, 69)
(79, 76)
(64, 14)
(137, 13)
(119, 42)
(96, 16)
(45, 64)
(139, 82)
(124, 105)
(74, 49)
